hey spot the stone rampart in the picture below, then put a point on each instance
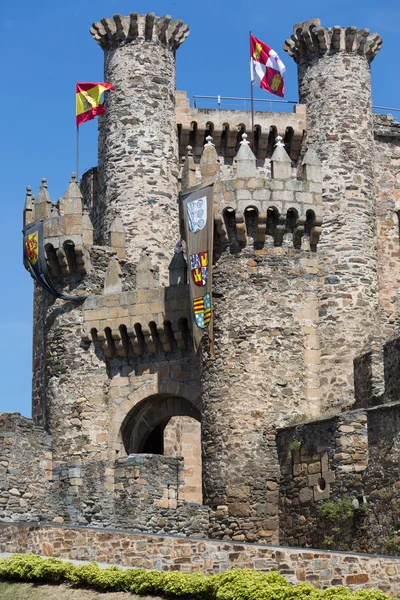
(169, 553)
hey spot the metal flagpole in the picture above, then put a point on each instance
(77, 154)
(252, 97)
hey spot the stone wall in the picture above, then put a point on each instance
(148, 496)
(382, 480)
(387, 181)
(25, 469)
(322, 569)
(340, 481)
(226, 128)
(182, 437)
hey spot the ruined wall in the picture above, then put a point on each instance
(25, 469)
(340, 484)
(323, 461)
(382, 480)
(340, 129)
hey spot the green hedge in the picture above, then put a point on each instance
(232, 585)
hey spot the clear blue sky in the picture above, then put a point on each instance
(46, 47)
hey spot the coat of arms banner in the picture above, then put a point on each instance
(199, 230)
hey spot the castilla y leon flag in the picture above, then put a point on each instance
(266, 68)
(88, 105)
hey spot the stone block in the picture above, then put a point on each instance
(314, 468)
(239, 492)
(237, 509)
(306, 495)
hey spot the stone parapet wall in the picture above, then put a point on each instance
(227, 126)
(322, 569)
(131, 324)
(148, 496)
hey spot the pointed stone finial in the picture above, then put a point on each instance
(113, 278)
(281, 165)
(43, 204)
(28, 207)
(189, 179)
(117, 237)
(73, 198)
(209, 161)
(312, 166)
(145, 272)
(245, 159)
(178, 266)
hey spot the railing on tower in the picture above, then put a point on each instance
(238, 103)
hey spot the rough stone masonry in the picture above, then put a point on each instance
(296, 418)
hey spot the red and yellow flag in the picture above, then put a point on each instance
(88, 105)
(266, 68)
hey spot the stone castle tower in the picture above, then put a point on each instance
(131, 428)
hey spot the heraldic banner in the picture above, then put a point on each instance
(199, 230)
(35, 260)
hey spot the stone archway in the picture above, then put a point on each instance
(151, 413)
(170, 425)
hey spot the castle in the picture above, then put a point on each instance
(298, 412)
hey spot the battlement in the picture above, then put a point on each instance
(68, 230)
(132, 324)
(309, 38)
(227, 126)
(120, 29)
(265, 204)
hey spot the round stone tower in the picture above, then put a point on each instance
(138, 143)
(335, 84)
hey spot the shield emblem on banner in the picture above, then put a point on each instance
(199, 268)
(32, 247)
(202, 310)
(197, 214)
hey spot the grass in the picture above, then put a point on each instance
(31, 591)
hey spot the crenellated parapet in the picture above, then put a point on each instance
(68, 230)
(143, 322)
(123, 29)
(310, 38)
(261, 206)
(227, 126)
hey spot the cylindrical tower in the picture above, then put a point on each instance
(138, 143)
(265, 371)
(335, 84)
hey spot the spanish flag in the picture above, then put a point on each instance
(88, 105)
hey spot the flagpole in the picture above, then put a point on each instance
(77, 153)
(252, 98)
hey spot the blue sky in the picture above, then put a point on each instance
(46, 47)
